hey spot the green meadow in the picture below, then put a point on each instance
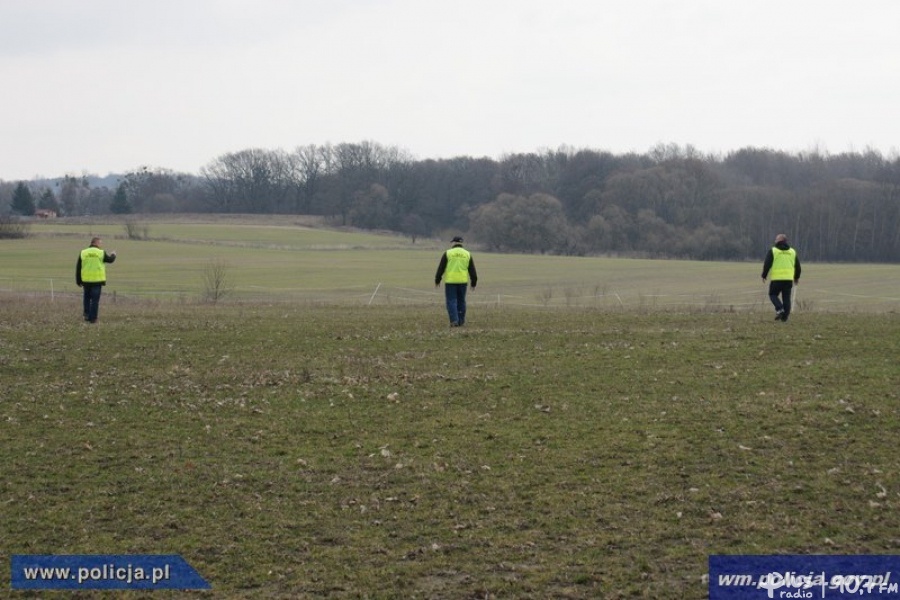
(272, 259)
(598, 429)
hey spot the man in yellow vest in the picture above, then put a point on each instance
(457, 269)
(782, 268)
(90, 275)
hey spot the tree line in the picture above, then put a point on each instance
(671, 201)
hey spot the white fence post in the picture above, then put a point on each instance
(375, 292)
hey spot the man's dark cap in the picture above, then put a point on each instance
(457, 240)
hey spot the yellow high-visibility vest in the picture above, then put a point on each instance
(457, 271)
(93, 269)
(782, 264)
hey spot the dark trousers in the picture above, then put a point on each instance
(456, 302)
(780, 295)
(91, 301)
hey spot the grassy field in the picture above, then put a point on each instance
(558, 448)
(291, 259)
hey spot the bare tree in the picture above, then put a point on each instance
(254, 181)
(136, 231)
(217, 283)
(529, 224)
(12, 227)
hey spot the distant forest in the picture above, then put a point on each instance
(670, 202)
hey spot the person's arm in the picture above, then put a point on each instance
(78, 272)
(767, 264)
(442, 266)
(797, 269)
(473, 274)
(109, 258)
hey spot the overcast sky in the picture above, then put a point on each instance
(102, 86)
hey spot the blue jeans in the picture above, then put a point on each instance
(91, 301)
(456, 302)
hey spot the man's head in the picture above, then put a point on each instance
(457, 240)
(780, 238)
(96, 242)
